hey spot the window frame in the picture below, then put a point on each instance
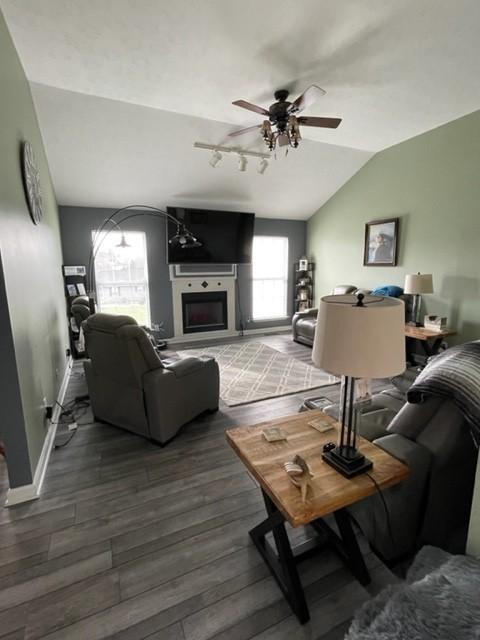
(98, 240)
(285, 279)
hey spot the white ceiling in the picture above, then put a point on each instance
(108, 153)
(392, 69)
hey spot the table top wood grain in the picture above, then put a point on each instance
(330, 490)
(420, 333)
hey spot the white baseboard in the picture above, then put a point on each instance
(28, 492)
(217, 335)
(287, 327)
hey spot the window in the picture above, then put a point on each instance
(270, 277)
(121, 275)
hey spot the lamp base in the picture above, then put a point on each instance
(347, 460)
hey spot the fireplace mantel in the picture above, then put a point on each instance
(202, 280)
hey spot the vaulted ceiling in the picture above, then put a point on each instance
(124, 88)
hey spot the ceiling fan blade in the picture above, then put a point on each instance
(251, 107)
(242, 131)
(312, 121)
(308, 97)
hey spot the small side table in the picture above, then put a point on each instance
(430, 340)
(330, 493)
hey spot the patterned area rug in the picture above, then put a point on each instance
(252, 371)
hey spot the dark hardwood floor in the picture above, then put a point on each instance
(133, 542)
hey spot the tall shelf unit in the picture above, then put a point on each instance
(304, 273)
(75, 283)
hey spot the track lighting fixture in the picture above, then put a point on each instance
(215, 159)
(218, 152)
(242, 162)
(262, 166)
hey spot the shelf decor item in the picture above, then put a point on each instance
(381, 243)
(303, 284)
(357, 337)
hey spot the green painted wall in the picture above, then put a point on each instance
(31, 258)
(432, 182)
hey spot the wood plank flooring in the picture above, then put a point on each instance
(133, 542)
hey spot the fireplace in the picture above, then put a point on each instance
(204, 311)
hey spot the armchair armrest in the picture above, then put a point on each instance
(308, 313)
(185, 367)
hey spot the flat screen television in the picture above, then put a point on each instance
(226, 237)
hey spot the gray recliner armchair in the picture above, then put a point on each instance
(305, 322)
(130, 387)
(80, 310)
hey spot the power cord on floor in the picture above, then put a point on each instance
(385, 506)
(72, 410)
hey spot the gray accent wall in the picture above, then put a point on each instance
(32, 319)
(77, 224)
(295, 231)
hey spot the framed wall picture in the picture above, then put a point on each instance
(381, 243)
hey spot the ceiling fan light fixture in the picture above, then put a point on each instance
(262, 166)
(215, 159)
(242, 162)
(283, 126)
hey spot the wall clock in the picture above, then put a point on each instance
(31, 182)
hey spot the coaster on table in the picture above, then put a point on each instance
(274, 434)
(320, 425)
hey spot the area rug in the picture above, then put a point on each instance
(251, 371)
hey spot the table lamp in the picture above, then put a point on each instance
(357, 337)
(416, 284)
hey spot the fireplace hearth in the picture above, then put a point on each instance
(204, 311)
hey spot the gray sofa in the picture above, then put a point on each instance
(130, 387)
(304, 322)
(433, 505)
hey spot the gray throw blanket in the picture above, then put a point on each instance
(454, 375)
(438, 601)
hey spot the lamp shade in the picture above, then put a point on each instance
(366, 341)
(419, 283)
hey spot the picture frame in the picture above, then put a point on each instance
(72, 290)
(381, 243)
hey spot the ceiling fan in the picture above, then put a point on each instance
(283, 124)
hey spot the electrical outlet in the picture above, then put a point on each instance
(72, 426)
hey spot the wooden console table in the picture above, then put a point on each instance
(426, 336)
(330, 493)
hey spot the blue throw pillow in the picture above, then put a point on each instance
(389, 290)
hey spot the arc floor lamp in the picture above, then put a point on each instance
(182, 238)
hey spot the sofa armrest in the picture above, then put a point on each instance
(404, 501)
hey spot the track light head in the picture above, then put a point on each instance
(242, 162)
(215, 159)
(262, 166)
